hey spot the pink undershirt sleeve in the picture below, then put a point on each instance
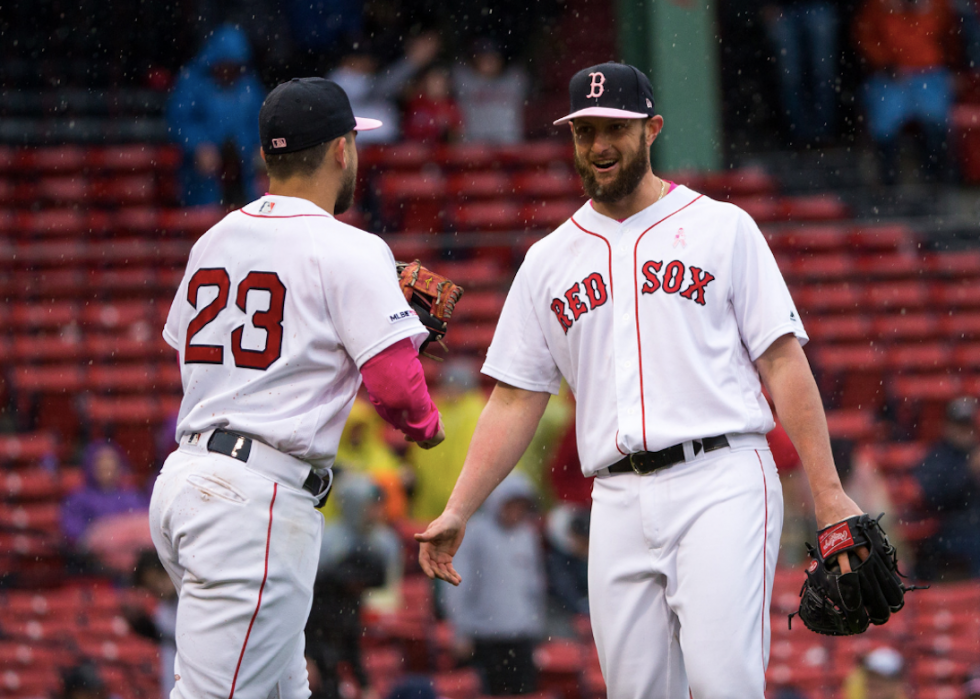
(396, 386)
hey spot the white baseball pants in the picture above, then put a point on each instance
(242, 550)
(681, 565)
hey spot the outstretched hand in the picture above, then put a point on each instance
(437, 546)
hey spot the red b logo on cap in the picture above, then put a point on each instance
(596, 86)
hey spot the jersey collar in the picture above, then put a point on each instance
(279, 206)
(676, 199)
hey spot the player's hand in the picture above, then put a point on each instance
(832, 506)
(438, 544)
(435, 440)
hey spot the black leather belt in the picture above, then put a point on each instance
(239, 447)
(644, 462)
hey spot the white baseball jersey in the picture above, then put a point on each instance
(280, 306)
(655, 323)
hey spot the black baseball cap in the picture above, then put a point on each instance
(614, 90)
(306, 112)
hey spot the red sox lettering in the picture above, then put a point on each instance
(594, 289)
(673, 278)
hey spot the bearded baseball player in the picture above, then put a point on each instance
(666, 314)
(282, 312)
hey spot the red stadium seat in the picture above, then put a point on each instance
(480, 305)
(65, 378)
(30, 484)
(764, 208)
(966, 356)
(467, 156)
(897, 457)
(480, 184)
(888, 238)
(125, 190)
(400, 156)
(191, 222)
(137, 220)
(464, 683)
(122, 378)
(129, 410)
(66, 253)
(960, 325)
(894, 265)
(26, 447)
(963, 263)
(138, 281)
(938, 670)
(56, 159)
(744, 181)
(470, 337)
(548, 184)
(35, 316)
(822, 267)
(62, 190)
(537, 153)
(51, 223)
(548, 214)
(897, 295)
(115, 315)
(853, 424)
(849, 328)
(136, 158)
(940, 691)
(829, 298)
(938, 387)
(957, 294)
(911, 326)
(814, 207)
(847, 358)
(21, 684)
(47, 348)
(39, 517)
(487, 216)
(409, 247)
(919, 357)
(413, 201)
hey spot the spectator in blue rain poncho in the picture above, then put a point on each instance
(213, 115)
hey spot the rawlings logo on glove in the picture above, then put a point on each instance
(843, 604)
(432, 296)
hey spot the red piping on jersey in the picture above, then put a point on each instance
(265, 575)
(243, 211)
(636, 299)
(617, 444)
(765, 537)
(608, 246)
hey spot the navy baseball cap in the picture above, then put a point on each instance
(613, 90)
(306, 112)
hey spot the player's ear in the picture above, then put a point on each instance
(653, 127)
(262, 154)
(338, 151)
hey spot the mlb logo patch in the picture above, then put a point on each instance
(267, 207)
(279, 143)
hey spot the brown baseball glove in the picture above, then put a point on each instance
(432, 296)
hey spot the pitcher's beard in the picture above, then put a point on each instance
(629, 178)
(345, 197)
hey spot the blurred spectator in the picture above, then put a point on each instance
(358, 552)
(374, 93)
(906, 44)
(567, 559)
(161, 628)
(950, 481)
(537, 458)
(364, 449)
(212, 115)
(498, 610)
(413, 687)
(107, 490)
(432, 115)
(971, 689)
(83, 682)
(804, 35)
(879, 675)
(318, 28)
(460, 403)
(968, 16)
(565, 477)
(491, 95)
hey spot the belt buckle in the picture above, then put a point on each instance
(635, 467)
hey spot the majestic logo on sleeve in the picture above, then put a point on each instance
(596, 86)
(572, 305)
(672, 279)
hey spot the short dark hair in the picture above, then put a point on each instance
(302, 163)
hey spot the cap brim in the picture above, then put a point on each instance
(364, 124)
(603, 112)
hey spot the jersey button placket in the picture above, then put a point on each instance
(624, 341)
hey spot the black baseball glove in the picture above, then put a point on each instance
(838, 604)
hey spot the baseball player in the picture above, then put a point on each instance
(282, 311)
(666, 314)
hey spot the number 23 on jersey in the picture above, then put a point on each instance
(269, 320)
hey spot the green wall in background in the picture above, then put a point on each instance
(675, 43)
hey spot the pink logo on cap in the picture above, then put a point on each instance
(279, 143)
(598, 80)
